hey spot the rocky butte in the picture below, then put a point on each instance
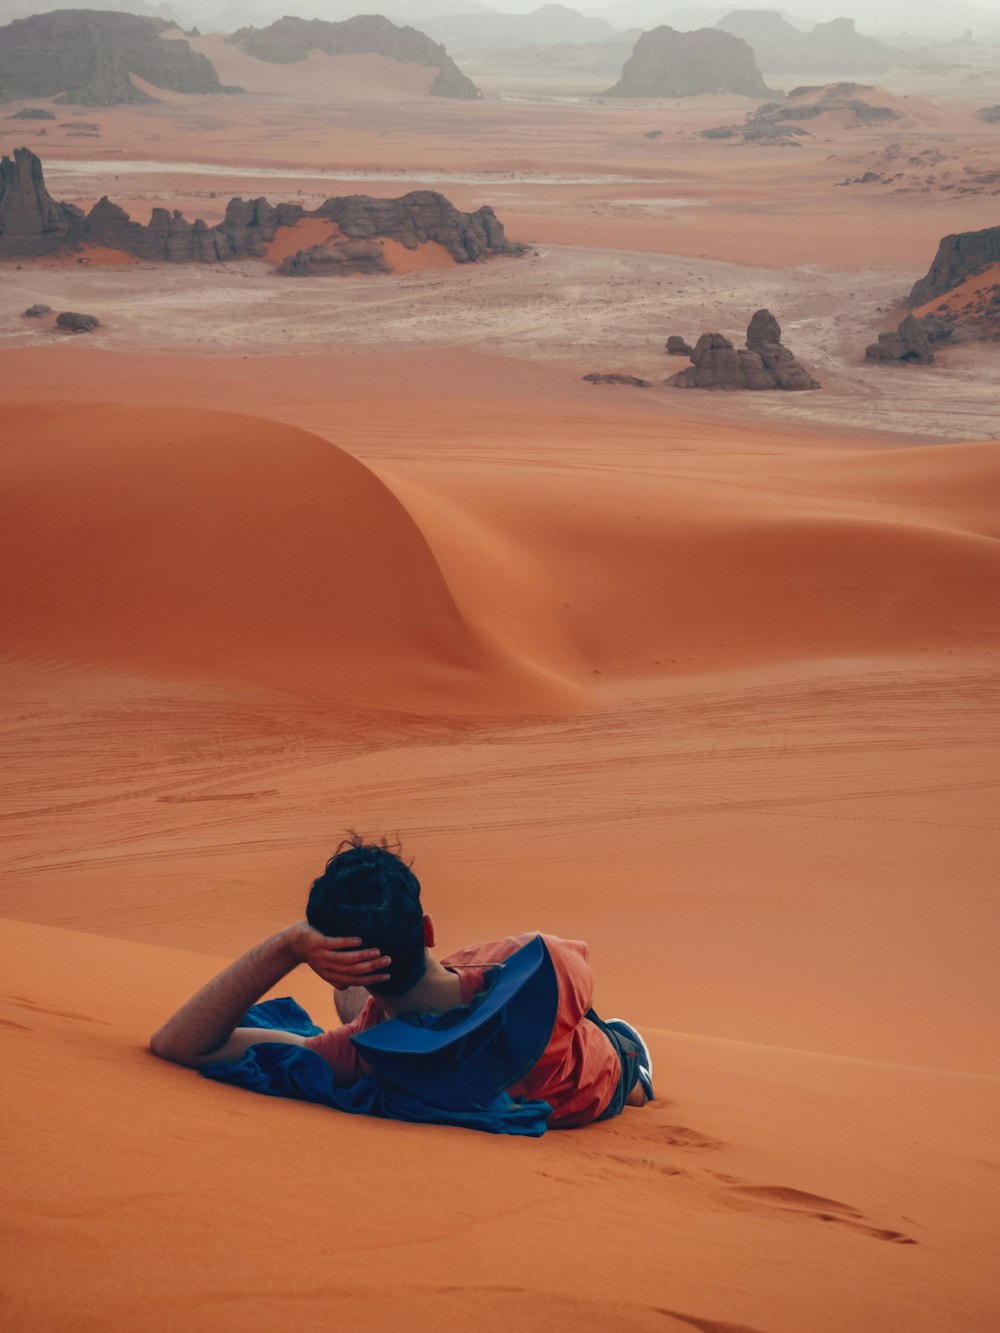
(32, 223)
(290, 40)
(667, 63)
(87, 56)
(830, 48)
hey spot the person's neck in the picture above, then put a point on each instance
(437, 991)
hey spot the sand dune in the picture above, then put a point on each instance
(370, 78)
(232, 1208)
(200, 542)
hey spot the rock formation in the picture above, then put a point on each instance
(32, 223)
(678, 346)
(86, 56)
(765, 363)
(910, 342)
(73, 322)
(779, 124)
(666, 63)
(290, 40)
(830, 48)
(32, 113)
(421, 215)
(958, 257)
(595, 377)
(963, 286)
(38, 311)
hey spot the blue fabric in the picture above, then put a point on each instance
(474, 1051)
(278, 1069)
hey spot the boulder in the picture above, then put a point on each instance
(763, 328)
(636, 383)
(73, 322)
(912, 341)
(784, 370)
(37, 311)
(289, 40)
(86, 56)
(667, 63)
(31, 222)
(678, 346)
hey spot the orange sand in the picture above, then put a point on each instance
(969, 295)
(718, 695)
(306, 232)
(430, 254)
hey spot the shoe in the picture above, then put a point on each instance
(645, 1060)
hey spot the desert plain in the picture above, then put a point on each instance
(708, 680)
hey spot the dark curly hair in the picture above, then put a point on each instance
(366, 890)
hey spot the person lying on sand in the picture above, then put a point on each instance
(366, 934)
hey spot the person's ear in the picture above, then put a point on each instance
(428, 932)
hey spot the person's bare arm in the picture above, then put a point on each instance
(204, 1031)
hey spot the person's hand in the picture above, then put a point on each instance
(339, 961)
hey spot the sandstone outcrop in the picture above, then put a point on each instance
(667, 63)
(290, 40)
(73, 322)
(422, 215)
(38, 311)
(765, 363)
(910, 342)
(595, 377)
(87, 56)
(678, 346)
(959, 256)
(830, 48)
(338, 258)
(32, 113)
(780, 124)
(32, 223)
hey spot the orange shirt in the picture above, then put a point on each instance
(579, 1068)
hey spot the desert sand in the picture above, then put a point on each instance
(709, 681)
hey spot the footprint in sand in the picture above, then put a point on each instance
(784, 1198)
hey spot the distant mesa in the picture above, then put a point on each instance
(289, 40)
(32, 224)
(551, 25)
(830, 48)
(87, 57)
(765, 362)
(667, 63)
(780, 124)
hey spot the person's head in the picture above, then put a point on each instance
(368, 892)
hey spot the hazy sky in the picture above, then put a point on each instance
(877, 17)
